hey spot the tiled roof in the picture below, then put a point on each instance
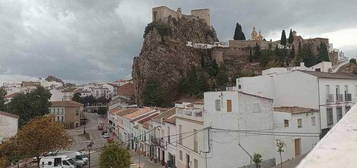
(338, 75)
(65, 104)
(294, 109)
(166, 115)
(139, 112)
(122, 112)
(9, 114)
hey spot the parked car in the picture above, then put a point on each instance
(59, 161)
(106, 135)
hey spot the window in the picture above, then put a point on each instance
(339, 113)
(346, 89)
(181, 155)
(218, 105)
(327, 89)
(337, 90)
(313, 121)
(65, 163)
(329, 116)
(195, 163)
(229, 105)
(286, 123)
(180, 134)
(355, 90)
(299, 123)
(347, 108)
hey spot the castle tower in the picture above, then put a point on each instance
(202, 14)
(260, 36)
(254, 34)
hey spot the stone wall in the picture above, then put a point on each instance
(202, 14)
(161, 14)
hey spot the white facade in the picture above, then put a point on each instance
(317, 90)
(226, 115)
(8, 125)
(295, 144)
(190, 140)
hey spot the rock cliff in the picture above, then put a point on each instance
(165, 58)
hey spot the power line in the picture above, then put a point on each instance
(263, 131)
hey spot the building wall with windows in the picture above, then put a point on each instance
(229, 115)
(67, 112)
(304, 123)
(190, 139)
(337, 96)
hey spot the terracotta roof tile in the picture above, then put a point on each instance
(139, 112)
(126, 90)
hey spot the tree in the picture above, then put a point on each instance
(102, 110)
(153, 94)
(283, 38)
(238, 33)
(298, 58)
(257, 159)
(9, 152)
(353, 61)
(30, 105)
(114, 155)
(307, 55)
(291, 37)
(77, 97)
(88, 100)
(323, 53)
(195, 83)
(40, 135)
(2, 99)
(222, 77)
(280, 145)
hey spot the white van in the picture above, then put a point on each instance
(59, 161)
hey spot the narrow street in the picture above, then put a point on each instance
(80, 142)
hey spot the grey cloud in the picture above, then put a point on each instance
(91, 40)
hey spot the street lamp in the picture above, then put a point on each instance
(89, 146)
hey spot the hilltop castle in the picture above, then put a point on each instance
(162, 13)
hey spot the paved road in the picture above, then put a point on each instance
(80, 142)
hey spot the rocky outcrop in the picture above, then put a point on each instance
(164, 56)
(51, 78)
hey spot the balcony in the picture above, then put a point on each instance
(339, 98)
(330, 98)
(348, 97)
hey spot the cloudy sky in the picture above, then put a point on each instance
(95, 40)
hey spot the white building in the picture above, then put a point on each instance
(331, 93)
(339, 146)
(8, 125)
(302, 125)
(190, 140)
(239, 125)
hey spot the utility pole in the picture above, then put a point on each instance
(89, 146)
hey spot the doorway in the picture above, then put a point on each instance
(187, 161)
(297, 147)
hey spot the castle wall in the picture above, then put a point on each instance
(202, 14)
(161, 14)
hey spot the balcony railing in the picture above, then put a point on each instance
(330, 98)
(348, 97)
(339, 97)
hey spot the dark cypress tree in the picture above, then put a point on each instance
(283, 38)
(238, 33)
(291, 37)
(323, 53)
